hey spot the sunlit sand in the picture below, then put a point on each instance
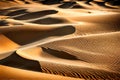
(59, 40)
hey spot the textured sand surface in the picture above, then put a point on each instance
(59, 40)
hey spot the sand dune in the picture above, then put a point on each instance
(29, 76)
(6, 44)
(59, 39)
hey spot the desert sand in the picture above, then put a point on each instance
(59, 40)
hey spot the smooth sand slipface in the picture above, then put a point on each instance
(59, 40)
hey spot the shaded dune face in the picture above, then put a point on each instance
(17, 12)
(14, 60)
(59, 54)
(49, 21)
(60, 39)
(3, 23)
(23, 37)
(67, 5)
(36, 14)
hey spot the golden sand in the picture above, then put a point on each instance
(68, 40)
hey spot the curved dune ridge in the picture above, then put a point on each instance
(59, 39)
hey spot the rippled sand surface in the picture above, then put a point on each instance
(59, 40)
